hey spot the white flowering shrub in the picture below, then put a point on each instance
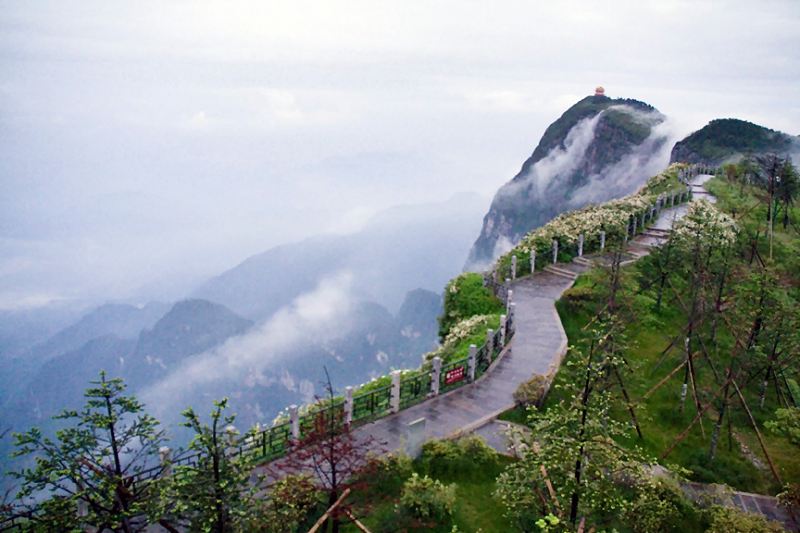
(704, 224)
(458, 333)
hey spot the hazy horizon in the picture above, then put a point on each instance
(148, 146)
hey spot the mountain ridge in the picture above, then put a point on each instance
(727, 140)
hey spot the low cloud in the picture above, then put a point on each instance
(558, 162)
(628, 174)
(246, 360)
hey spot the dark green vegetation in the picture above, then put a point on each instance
(729, 139)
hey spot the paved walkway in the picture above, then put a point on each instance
(539, 343)
(538, 346)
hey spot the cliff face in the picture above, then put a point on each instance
(599, 149)
(727, 140)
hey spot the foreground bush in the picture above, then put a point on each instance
(531, 392)
(456, 457)
(728, 520)
(426, 498)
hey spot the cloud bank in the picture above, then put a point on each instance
(314, 317)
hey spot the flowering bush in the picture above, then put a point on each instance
(458, 333)
(705, 223)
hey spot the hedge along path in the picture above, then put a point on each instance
(537, 348)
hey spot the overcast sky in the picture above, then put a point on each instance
(148, 143)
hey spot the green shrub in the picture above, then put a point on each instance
(428, 498)
(659, 505)
(457, 458)
(579, 297)
(787, 424)
(292, 502)
(465, 296)
(388, 473)
(531, 392)
(729, 520)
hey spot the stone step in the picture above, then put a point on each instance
(561, 272)
(637, 254)
(660, 230)
(655, 235)
(583, 261)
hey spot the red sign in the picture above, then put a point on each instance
(455, 375)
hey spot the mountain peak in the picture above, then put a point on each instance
(598, 149)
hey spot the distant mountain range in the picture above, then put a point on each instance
(400, 249)
(599, 149)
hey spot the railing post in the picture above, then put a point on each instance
(165, 456)
(348, 405)
(503, 320)
(643, 215)
(436, 375)
(230, 435)
(490, 344)
(633, 231)
(294, 420)
(83, 505)
(602, 240)
(509, 297)
(472, 362)
(395, 400)
(513, 267)
(555, 251)
(580, 245)
(533, 260)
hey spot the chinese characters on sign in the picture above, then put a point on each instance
(454, 375)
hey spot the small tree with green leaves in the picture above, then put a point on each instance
(572, 463)
(85, 477)
(212, 492)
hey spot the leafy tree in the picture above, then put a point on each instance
(213, 491)
(87, 474)
(572, 453)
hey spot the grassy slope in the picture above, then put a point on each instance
(660, 417)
